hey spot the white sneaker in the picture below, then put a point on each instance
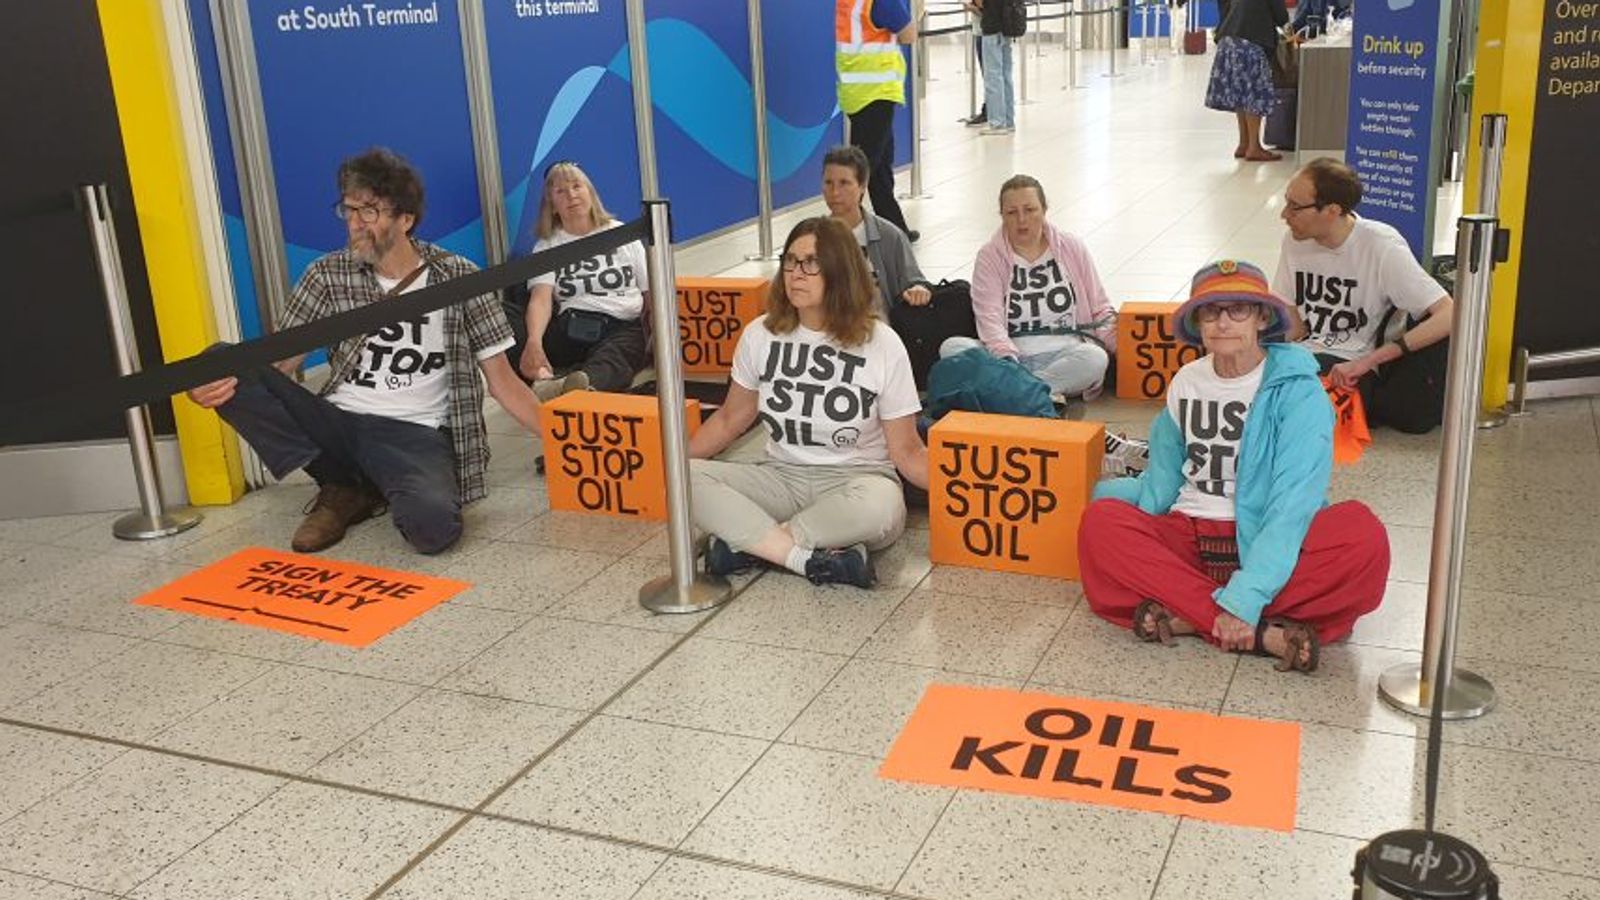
(1125, 457)
(997, 129)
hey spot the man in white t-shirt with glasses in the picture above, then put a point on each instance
(1348, 277)
(399, 423)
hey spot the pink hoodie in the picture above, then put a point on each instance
(991, 276)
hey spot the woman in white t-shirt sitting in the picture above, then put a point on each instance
(1228, 535)
(1037, 298)
(832, 385)
(587, 317)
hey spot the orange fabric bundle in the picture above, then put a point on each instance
(1350, 434)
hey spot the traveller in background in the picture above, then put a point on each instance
(399, 422)
(999, 98)
(895, 274)
(1241, 74)
(588, 316)
(1037, 298)
(1347, 277)
(1228, 535)
(872, 74)
(833, 386)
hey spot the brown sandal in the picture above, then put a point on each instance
(1161, 632)
(1297, 637)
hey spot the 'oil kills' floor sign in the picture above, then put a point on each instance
(1236, 771)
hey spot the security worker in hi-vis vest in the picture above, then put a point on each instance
(872, 74)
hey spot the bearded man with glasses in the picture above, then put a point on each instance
(399, 423)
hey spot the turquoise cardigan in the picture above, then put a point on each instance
(1285, 458)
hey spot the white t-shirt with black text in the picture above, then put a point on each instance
(401, 371)
(1342, 293)
(1039, 299)
(1210, 411)
(821, 402)
(612, 282)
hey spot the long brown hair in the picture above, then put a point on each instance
(847, 286)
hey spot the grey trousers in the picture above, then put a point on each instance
(825, 506)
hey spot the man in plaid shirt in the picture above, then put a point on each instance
(399, 424)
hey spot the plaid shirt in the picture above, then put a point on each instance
(339, 282)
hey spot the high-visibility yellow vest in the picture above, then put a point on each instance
(870, 65)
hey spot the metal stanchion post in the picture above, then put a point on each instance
(643, 108)
(683, 591)
(1492, 144)
(1144, 32)
(485, 139)
(1115, 38)
(1519, 381)
(1409, 687)
(1074, 39)
(153, 519)
(918, 61)
(972, 84)
(758, 89)
(1022, 59)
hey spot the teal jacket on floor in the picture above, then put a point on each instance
(1285, 458)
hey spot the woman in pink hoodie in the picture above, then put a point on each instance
(1037, 298)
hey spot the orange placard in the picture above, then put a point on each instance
(1006, 492)
(603, 453)
(1148, 350)
(1351, 437)
(712, 313)
(331, 600)
(1218, 768)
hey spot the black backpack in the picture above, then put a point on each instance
(1013, 18)
(924, 328)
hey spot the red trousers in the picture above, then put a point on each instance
(1127, 556)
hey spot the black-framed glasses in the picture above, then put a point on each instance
(1238, 312)
(367, 212)
(1292, 206)
(810, 265)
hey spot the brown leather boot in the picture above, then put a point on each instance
(335, 509)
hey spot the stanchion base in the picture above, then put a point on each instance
(660, 595)
(1492, 418)
(774, 256)
(908, 195)
(1470, 695)
(136, 526)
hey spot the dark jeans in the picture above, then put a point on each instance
(412, 465)
(610, 362)
(1407, 394)
(872, 129)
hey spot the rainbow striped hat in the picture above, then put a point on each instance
(1230, 281)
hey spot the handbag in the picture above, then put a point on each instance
(924, 328)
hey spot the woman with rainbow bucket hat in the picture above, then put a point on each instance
(1228, 534)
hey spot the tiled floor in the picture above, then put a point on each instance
(541, 736)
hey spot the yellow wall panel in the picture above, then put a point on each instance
(142, 80)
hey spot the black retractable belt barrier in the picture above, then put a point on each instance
(33, 419)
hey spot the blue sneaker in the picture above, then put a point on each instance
(850, 565)
(722, 559)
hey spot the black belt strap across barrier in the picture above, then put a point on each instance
(33, 419)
